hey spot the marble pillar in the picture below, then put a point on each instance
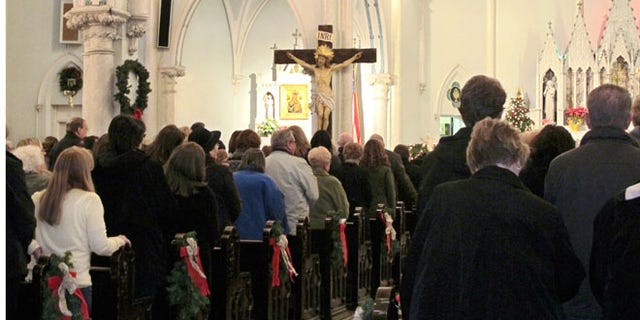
(380, 83)
(100, 26)
(167, 115)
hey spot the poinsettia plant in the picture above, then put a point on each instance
(575, 115)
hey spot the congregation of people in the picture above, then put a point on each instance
(509, 226)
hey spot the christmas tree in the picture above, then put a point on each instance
(517, 113)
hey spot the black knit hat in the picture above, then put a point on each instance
(205, 138)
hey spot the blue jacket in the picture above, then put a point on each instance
(262, 200)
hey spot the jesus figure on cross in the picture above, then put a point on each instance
(322, 101)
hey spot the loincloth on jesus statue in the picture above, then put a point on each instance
(319, 100)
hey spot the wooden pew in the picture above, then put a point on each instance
(113, 288)
(336, 286)
(385, 306)
(359, 265)
(382, 262)
(231, 296)
(305, 297)
(255, 258)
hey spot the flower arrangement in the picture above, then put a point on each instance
(575, 115)
(517, 113)
(267, 127)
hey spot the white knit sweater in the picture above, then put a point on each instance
(81, 231)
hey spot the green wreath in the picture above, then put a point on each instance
(122, 83)
(70, 78)
(183, 294)
(49, 302)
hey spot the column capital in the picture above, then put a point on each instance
(380, 79)
(173, 72)
(107, 19)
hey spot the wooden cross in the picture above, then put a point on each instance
(339, 55)
(325, 37)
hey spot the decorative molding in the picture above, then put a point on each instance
(87, 16)
(135, 30)
(173, 72)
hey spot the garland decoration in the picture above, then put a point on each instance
(390, 233)
(281, 262)
(62, 299)
(70, 79)
(142, 92)
(339, 253)
(188, 288)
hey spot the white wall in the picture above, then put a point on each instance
(456, 44)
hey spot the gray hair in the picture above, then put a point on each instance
(318, 157)
(31, 157)
(280, 138)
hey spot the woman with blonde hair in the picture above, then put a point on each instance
(70, 217)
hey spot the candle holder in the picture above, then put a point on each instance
(69, 94)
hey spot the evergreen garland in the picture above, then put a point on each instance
(122, 83)
(517, 114)
(337, 261)
(49, 302)
(276, 231)
(183, 294)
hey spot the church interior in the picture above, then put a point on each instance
(213, 61)
(397, 69)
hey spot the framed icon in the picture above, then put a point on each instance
(294, 101)
(67, 35)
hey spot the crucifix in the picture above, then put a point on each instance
(321, 62)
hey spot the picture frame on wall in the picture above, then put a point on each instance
(67, 35)
(294, 101)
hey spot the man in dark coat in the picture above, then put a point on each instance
(580, 181)
(137, 203)
(494, 250)
(614, 269)
(21, 225)
(481, 97)
(76, 131)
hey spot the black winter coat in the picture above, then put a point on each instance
(493, 250)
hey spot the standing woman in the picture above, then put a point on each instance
(196, 203)
(70, 216)
(167, 139)
(381, 181)
(261, 197)
(138, 203)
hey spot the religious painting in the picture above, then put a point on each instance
(453, 94)
(294, 101)
(67, 35)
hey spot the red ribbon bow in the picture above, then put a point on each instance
(388, 235)
(343, 241)
(198, 280)
(275, 263)
(54, 282)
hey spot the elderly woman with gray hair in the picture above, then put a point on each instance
(36, 174)
(332, 196)
(493, 249)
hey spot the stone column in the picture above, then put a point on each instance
(100, 25)
(139, 10)
(380, 83)
(167, 113)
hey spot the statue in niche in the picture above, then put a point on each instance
(269, 103)
(549, 96)
(620, 73)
